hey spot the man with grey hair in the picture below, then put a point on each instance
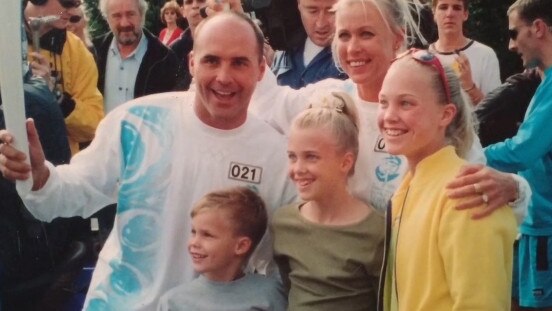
(156, 156)
(131, 61)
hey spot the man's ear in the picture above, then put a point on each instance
(262, 67)
(466, 14)
(540, 27)
(191, 62)
(243, 245)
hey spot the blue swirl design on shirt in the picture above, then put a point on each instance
(145, 169)
(389, 169)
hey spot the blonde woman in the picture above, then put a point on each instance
(369, 35)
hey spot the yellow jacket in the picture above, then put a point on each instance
(77, 74)
(439, 258)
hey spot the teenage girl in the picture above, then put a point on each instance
(439, 258)
(329, 247)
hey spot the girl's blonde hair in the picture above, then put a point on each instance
(337, 113)
(461, 131)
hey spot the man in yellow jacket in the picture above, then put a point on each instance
(73, 71)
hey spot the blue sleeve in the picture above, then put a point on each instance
(278, 296)
(533, 139)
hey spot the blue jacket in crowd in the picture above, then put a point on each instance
(529, 152)
(289, 68)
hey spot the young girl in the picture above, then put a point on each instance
(439, 258)
(329, 248)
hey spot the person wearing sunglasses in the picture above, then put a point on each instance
(39, 260)
(73, 69)
(437, 258)
(369, 35)
(156, 156)
(475, 63)
(529, 153)
(78, 24)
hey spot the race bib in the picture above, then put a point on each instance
(245, 172)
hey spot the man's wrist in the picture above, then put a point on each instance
(518, 194)
(41, 177)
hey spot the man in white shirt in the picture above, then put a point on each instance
(156, 156)
(475, 63)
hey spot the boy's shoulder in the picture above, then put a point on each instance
(202, 285)
(250, 292)
(266, 293)
(262, 282)
(198, 294)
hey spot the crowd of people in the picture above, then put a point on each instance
(173, 148)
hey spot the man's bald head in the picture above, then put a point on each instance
(220, 20)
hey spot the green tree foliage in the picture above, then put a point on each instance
(488, 23)
(96, 24)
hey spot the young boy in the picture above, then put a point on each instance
(227, 225)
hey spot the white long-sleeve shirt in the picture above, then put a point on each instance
(155, 158)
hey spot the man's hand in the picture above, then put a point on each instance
(12, 161)
(41, 68)
(466, 81)
(464, 71)
(268, 53)
(478, 184)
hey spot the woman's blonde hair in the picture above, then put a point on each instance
(402, 17)
(337, 113)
